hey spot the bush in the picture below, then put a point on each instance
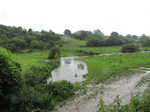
(82, 52)
(130, 48)
(54, 53)
(11, 81)
(34, 94)
(33, 98)
(35, 44)
(37, 75)
(61, 90)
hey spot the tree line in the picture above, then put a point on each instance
(97, 38)
(16, 39)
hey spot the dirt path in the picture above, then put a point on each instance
(88, 98)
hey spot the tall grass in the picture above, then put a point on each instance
(102, 68)
(37, 58)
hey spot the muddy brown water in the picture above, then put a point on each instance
(70, 70)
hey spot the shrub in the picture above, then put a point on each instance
(82, 52)
(60, 90)
(33, 98)
(10, 81)
(37, 75)
(54, 53)
(130, 48)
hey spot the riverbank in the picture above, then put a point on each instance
(87, 99)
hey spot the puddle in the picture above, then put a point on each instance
(69, 70)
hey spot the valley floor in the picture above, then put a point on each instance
(87, 99)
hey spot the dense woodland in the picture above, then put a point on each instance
(26, 91)
(16, 39)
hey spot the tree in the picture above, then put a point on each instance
(10, 80)
(96, 41)
(114, 34)
(130, 48)
(128, 36)
(67, 32)
(54, 53)
(82, 35)
(46, 36)
(135, 37)
(146, 41)
(30, 31)
(29, 39)
(98, 32)
(35, 44)
(92, 42)
(112, 41)
(50, 44)
(17, 44)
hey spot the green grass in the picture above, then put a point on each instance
(102, 68)
(37, 58)
(72, 45)
(144, 48)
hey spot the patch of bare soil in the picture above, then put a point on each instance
(87, 99)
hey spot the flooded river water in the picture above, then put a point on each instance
(70, 70)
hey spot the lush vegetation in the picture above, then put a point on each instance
(73, 46)
(30, 91)
(54, 53)
(27, 60)
(16, 39)
(23, 74)
(101, 68)
(97, 38)
(11, 81)
(130, 48)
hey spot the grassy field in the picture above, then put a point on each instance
(72, 45)
(37, 58)
(102, 68)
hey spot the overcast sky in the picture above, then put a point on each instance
(122, 16)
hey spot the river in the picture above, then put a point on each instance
(70, 70)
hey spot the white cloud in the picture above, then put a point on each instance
(123, 16)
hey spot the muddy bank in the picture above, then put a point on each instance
(88, 98)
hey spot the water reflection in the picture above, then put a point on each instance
(70, 70)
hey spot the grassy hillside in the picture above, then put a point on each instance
(71, 45)
(37, 58)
